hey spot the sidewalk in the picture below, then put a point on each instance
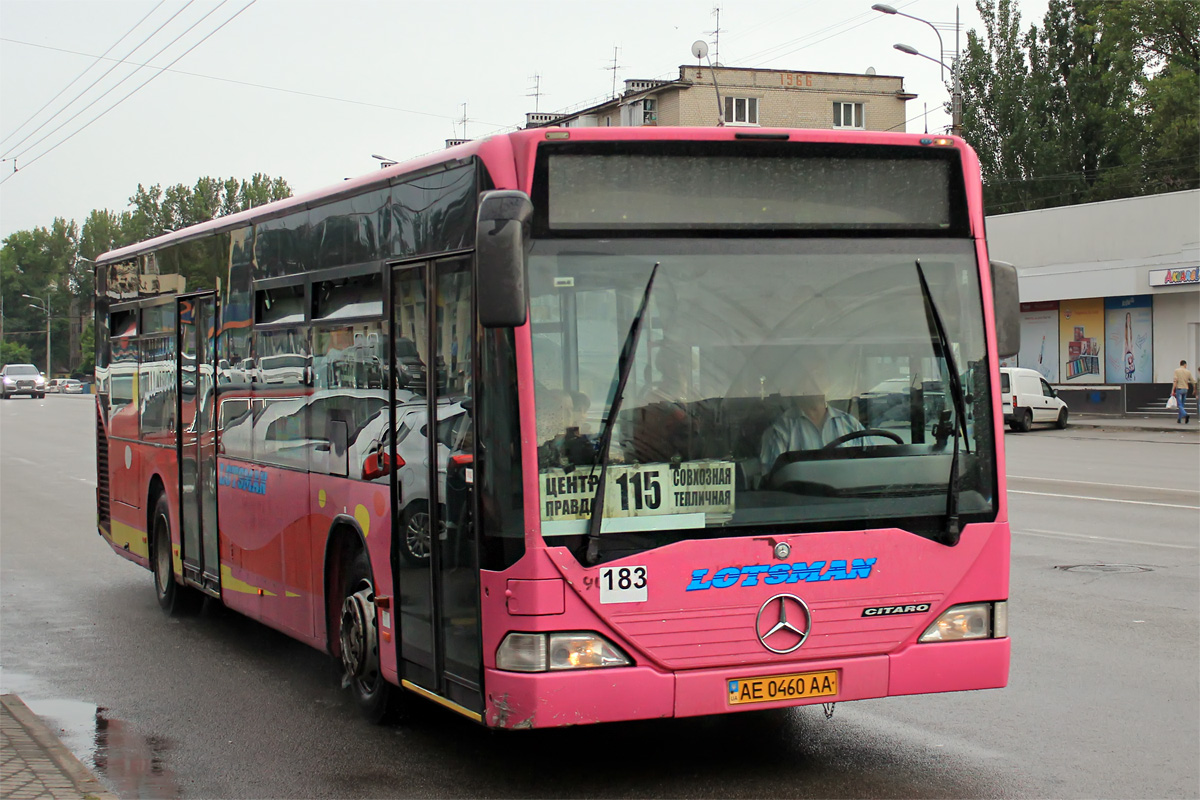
(1138, 423)
(34, 764)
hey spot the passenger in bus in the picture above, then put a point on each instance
(809, 423)
(665, 417)
(561, 441)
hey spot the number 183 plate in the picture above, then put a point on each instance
(783, 687)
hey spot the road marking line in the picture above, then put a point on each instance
(1107, 500)
(1097, 483)
(1113, 539)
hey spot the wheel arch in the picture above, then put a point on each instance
(345, 538)
(155, 489)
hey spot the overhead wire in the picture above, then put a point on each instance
(107, 91)
(67, 105)
(98, 59)
(140, 86)
(252, 85)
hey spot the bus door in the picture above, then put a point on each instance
(437, 574)
(195, 442)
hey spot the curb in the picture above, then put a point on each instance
(87, 784)
(1130, 424)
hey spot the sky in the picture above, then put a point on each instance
(309, 91)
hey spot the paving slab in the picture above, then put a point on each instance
(35, 765)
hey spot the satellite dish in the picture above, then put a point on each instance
(700, 48)
(870, 70)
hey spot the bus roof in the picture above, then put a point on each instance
(519, 146)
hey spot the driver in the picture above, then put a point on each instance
(809, 423)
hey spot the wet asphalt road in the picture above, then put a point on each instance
(1103, 696)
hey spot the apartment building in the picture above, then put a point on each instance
(749, 97)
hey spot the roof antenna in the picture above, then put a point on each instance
(536, 94)
(614, 69)
(700, 51)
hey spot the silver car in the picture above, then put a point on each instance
(18, 379)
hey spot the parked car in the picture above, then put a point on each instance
(55, 385)
(71, 386)
(1027, 398)
(21, 379)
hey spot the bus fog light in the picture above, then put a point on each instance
(584, 651)
(969, 621)
(522, 652)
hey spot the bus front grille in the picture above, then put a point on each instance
(696, 638)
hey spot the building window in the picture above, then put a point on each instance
(741, 110)
(650, 111)
(848, 115)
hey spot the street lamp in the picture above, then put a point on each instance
(44, 307)
(955, 93)
(385, 161)
(886, 9)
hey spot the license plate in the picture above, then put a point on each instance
(783, 687)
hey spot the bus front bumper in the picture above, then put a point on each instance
(552, 699)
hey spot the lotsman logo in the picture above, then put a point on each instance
(774, 574)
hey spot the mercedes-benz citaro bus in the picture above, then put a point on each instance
(705, 420)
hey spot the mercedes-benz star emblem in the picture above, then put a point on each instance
(783, 623)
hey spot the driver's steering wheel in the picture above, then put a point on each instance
(852, 435)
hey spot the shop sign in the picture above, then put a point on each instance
(1175, 277)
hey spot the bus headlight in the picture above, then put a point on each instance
(969, 621)
(540, 652)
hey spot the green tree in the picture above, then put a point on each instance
(87, 343)
(54, 264)
(1098, 103)
(156, 209)
(1167, 37)
(34, 275)
(997, 119)
(14, 353)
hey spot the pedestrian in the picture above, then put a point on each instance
(1183, 382)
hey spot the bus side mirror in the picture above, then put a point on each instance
(500, 241)
(1007, 302)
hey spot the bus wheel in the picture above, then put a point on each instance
(174, 598)
(359, 639)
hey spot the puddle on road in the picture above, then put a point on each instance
(132, 765)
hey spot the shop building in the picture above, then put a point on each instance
(1110, 296)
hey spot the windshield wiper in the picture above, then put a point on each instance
(624, 366)
(938, 329)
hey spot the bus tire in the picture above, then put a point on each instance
(174, 598)
(358, 638)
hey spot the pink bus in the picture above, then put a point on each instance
(582, 425)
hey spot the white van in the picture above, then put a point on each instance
(1027, 398)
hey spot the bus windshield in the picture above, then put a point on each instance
(797, 383)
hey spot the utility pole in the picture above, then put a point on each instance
(44, 306)
(956, 98)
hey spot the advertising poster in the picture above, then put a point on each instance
(1081, 340)
(1128, 347)
(1039, 339)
